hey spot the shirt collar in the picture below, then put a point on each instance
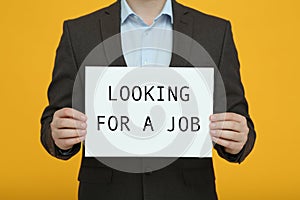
(126, 11)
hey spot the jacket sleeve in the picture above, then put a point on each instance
(60, 93)
(229, 68)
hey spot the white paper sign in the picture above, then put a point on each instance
(148, 111)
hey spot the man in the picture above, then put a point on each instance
(63, 129)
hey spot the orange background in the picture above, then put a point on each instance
(267, 37)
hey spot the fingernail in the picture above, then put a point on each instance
(213, 132)
(83, 117)
(83, 125)
(213, 125)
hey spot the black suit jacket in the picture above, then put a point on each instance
(186, 178)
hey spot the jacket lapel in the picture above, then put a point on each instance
(110, 27)
(183, 24)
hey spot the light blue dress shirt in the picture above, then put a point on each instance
(145, 45)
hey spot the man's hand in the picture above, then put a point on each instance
(229, 130)
(68, 127)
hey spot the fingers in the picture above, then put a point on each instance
(228, 125)
(227, 135)
(230, 146)
(65, 123)
(70, 133)
(229, 130)
(227, 117)
(70, 113)
(68, 127)
(68, 143)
